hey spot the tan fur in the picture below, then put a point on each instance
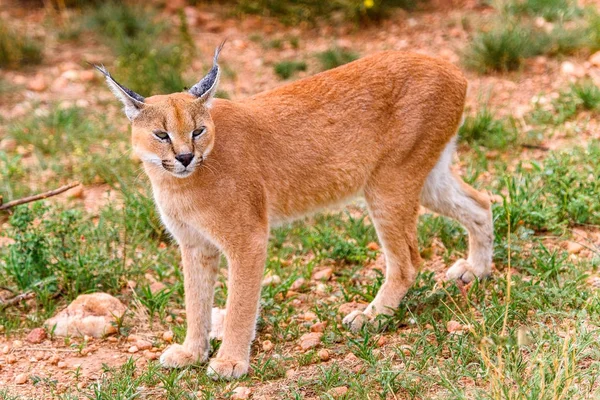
(375, 127)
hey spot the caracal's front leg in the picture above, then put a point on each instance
(200, 265)
(246, 266)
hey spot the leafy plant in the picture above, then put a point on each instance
(335, 57)
(17, 50)
(285, 69)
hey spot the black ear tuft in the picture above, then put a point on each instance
(132, 101)
(206, 88)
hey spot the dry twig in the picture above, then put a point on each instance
(37, 197)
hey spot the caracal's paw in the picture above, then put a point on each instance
(463, 270)
(177, 356)
(221, 368)
(355, 320)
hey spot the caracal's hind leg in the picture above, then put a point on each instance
(447, 194)
(393, 206)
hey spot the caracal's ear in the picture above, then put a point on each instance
(133, 102)
(207, 87)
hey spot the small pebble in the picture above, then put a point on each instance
(267, 345)
(20, 379)
(324, 354)
(62, 365)
(168, 336)
(241, 393)
(133, 349)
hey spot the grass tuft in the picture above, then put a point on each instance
(484, 129)
(335, 57)
(502, 49)
(17, 50)
(285, 69)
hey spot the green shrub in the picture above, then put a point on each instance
(503, 48)
(145, 63)
(61, 252)
(484, 129)
(551, 10)
(562, 192)
(335, 57)
(17, 50)
(285, 69)
(586, 94)
(292, 12)
(74, 144)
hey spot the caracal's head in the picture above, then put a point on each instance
(174, 132)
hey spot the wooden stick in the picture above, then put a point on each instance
(39, 196)
(16, 300)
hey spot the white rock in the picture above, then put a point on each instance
(89, 314)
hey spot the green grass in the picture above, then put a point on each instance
(17, 50)
(501, 49)
(334, 57)
(286, 69)
(484, 129)
(292, 12)
(510, 37)
(146, 61)
(551, 10)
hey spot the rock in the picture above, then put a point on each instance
(267, 345)
(11, 359)
(309, 316)
(133, 349)
(381, 341)
(456, 327)
(143, 344)
(17, 344)
(321, 289)
(373, 246)
(338, 391)
(574, 247)
(156, 287)
(572, 69)
(54, 360)
(310, 340)
(89, 314)
(351, 357)
(9, 145)
(324, 354)
(5, 349)
(38, 83)
(167, 336)
(241, 393)
(71, 75)
(406, 349)
(318, 327)
(87, 76)
(298, 283)
(271, 280)
(290, 373)
(36, 336)
(595, 59)
(323, 275)
(20, 379)
(150, 355)
(61, 365)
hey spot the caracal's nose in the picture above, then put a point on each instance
(185, 158)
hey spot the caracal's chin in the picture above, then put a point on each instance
(183, 174)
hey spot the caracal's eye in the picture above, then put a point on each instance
(198, 132)
(164, 136)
